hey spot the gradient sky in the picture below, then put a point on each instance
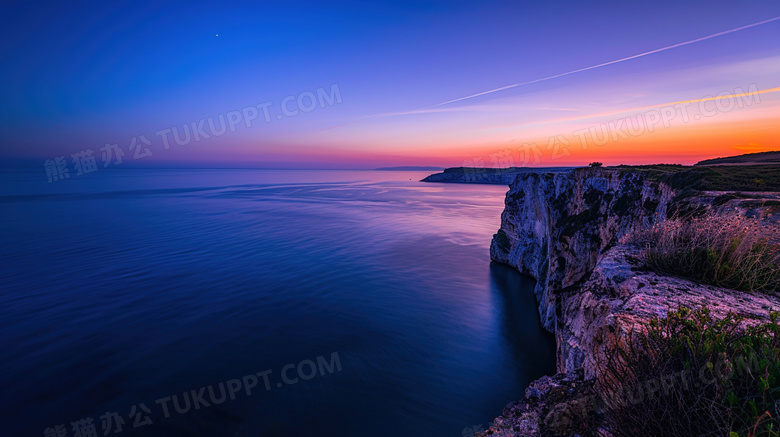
(77, 76)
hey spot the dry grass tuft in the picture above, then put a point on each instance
(728, 251)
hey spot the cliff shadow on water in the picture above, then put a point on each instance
(521, 325)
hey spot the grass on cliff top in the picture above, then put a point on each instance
(691, 374)
(733, 252)
(720, 178)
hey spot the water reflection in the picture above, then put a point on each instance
(521, 325)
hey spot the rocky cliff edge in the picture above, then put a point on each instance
(565, 230)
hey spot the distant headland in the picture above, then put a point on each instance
(494, 176)
(410, 168)
(761, 158)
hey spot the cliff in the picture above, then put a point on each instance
(494, 176)
(555, 226)
(565, 229)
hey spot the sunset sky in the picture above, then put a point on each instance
(80, 76)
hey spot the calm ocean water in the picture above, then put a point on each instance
(130, 286)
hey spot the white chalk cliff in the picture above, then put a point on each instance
(564, 230)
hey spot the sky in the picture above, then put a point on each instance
(364, 84)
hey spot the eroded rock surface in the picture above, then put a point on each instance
(555, 226)
(564, 229)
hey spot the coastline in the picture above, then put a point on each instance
(564, 229)
(491, 176)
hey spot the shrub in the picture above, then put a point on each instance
(596, 164)
(691, 375)
(734, 252)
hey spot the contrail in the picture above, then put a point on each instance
(662, 49)
(657, 105)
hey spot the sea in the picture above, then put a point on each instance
(244, 302)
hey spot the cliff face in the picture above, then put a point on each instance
(618, 296)
(556, 225)
(564, 229)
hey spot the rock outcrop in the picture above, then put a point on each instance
(565, 230)
(555, 226)
(559, 404)
(621, 295)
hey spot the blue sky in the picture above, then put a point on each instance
(79, 76)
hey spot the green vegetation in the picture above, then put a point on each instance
(691, 375)
(588, 217)
(720, 178)
(733, 252)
